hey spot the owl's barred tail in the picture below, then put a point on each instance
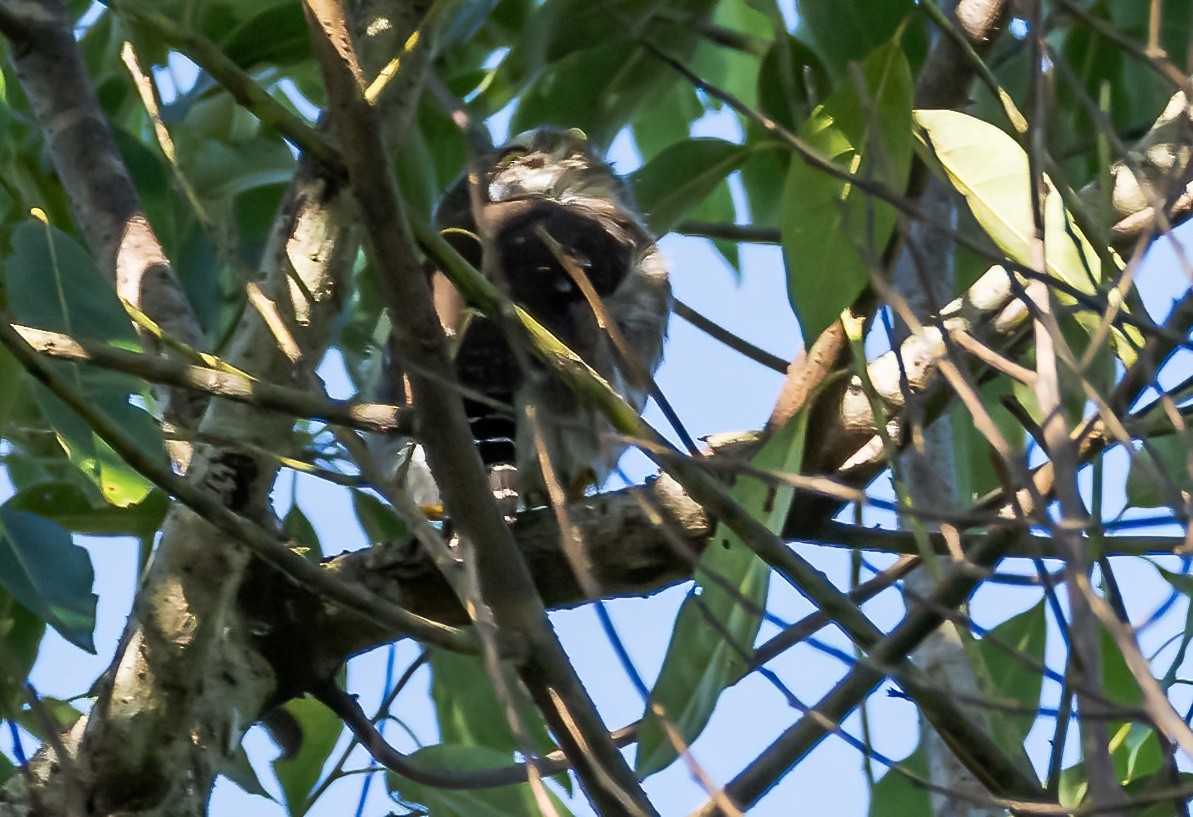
(494, 432)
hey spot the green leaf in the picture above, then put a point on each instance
(1183, 584)
(846, 30)
(726, 602)
(227, 166)
(298, 529)
(896, 795)
(763, 177)
(592, 76)
(790, 82)
(572, 92)
(974, 456)
(718, 208)
(670, 119)
(72, 508)
(61, 713)
(734, 69)
(504, 801)
(1135, 753)
(681, 177)
(991, 171)
(49, 574)
(468, 711)
(119, 483)
(460, 22)
(1144, 789)
(276, 35)
(1160, 472)
(12, 380)
(52, 283)
(240, 771)
(378, 520)
(20, 638)
(154, 186)
(560, 29)
(1016, 682)
(299, 774)
(834, 234)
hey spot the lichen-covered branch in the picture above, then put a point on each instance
(191, 673)
(104, 200)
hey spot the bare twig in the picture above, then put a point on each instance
(227, 383)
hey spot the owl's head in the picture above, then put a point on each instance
(553, 163)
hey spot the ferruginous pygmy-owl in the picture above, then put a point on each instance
(547, 180)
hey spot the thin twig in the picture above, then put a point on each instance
(209, 507)
(734, 342)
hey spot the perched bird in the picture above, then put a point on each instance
(555, 217)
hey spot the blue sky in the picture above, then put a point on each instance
(714, 390)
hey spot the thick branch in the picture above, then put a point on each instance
(103, 199)
(192, 671)
(944, 83)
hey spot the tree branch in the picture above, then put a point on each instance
(198, 643)
(506, 585)
(225, 382)
(103, 198)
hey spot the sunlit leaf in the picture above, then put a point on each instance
(717, 623)
(53, 284)
(299, 774)
(834, 234)
(47, 573)
(1135, 753)
(120, 484)
(991, 171)
(71, 507)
